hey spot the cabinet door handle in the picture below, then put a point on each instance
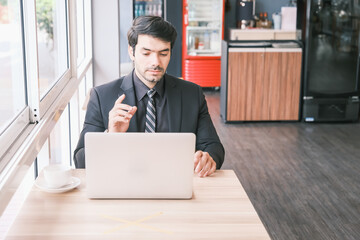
(358, 73)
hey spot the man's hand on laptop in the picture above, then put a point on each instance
(204, 164)
(120, 116)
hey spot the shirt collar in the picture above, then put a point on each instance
(141, 89)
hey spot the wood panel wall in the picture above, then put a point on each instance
(263, 86)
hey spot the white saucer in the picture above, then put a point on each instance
(41, 184)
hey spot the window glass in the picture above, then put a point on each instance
(60, 140)
(82, 101)
(12, 80)
(89, 81)
(52, 42)
(80, 31)
(74, 111)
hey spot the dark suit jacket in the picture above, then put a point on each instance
(187, 111)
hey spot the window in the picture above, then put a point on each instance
(12, 84)
(52, 44)
(59, 140)
(80, 31)
(40, 71)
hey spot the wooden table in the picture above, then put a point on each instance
(219, 209)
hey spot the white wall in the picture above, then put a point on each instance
(106, 41)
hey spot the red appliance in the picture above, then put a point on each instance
(203, 30)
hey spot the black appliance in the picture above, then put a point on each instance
(331, 66)
(245, 13)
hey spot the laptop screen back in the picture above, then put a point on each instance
(139, 165)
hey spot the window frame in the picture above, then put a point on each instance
(33, 126)
(59, 83)
(22, 120)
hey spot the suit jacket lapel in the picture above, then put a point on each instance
(127, 87)
(174, 104)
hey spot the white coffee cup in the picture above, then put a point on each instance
(57, 175)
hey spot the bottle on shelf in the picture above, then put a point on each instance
(136, 10)
(276, 20)
(201, 42)
(191, 42)
(153, 10)
(148, 9)
(265, 23)
(196, 42)
(206, 40)
(141, 10)
(260, 20)
(215, 41)
(261, 16)
(159, 10)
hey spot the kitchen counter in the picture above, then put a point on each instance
(263, 34)
(260, 80)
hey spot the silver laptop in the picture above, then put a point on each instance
(139, 165)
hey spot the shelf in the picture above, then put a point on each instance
(263, 34)
(202, 28)
(203, 19)
(204, 52)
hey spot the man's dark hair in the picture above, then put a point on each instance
(154, 26)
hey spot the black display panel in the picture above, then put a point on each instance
(332, 43)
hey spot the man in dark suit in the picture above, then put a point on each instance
(124, 105)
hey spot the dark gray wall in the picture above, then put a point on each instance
(174, 15)
(269, 6)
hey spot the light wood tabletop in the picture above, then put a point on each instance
(219, 209)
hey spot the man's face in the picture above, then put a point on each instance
(151, 59)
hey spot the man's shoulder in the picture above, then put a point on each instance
(178, 82)
(114, 84)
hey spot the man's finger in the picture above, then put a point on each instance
(123, 113)
(212, 169)
(120, 99)
(119, 119)
(133, 110)
(206, 164)
(200, 166)
(123, 107)
(198, 154)
(197, 158)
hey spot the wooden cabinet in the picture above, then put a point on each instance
(262, 84)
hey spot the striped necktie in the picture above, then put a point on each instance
(150, 120)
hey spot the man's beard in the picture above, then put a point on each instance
(154, 79)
